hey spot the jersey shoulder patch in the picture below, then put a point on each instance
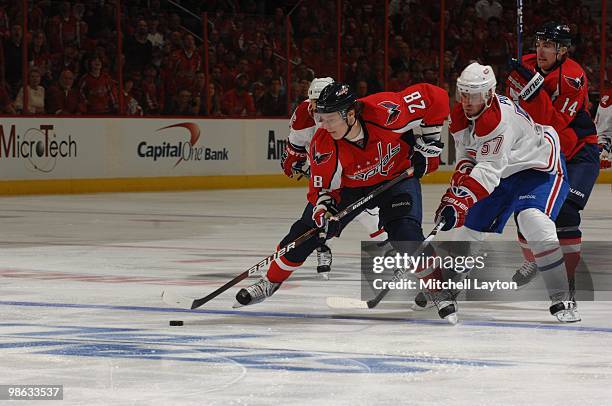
(606, 98)
(301, 117)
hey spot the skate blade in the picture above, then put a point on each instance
(452, 319)
(324, 276)
(568, 317)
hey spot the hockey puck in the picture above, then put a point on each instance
(176, 322)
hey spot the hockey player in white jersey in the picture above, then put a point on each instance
(294, 162)
(506, 164)
(603, 122)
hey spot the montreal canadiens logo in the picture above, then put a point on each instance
(393, 111)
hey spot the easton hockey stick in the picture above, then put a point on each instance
(191, 303)
(398, 274)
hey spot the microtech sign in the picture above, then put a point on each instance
(39, 148)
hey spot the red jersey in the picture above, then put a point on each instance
(302, 126)
(386, 120)
(563, 104)
(185, 67)
(99, 93)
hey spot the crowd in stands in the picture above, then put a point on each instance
(72, 66)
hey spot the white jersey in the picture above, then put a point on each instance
(302, 127)
(603, 118)
(504, 140)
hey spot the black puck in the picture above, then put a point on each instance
(176, 322)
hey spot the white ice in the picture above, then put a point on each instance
(80, 284)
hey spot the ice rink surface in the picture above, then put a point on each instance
(80, 284)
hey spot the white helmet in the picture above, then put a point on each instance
(316, 86)
(477, 79)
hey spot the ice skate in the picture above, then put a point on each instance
(423, 301)
(525, 274)
(324, 261)
(255, 293)
(564, 308)
(446, 304)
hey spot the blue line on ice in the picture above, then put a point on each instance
(242, 313)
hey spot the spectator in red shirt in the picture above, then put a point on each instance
(185, 63)
(238, 101)
(98, 90)
(62, 98)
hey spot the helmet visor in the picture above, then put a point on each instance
(475, 98)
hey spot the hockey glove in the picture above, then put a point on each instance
(462, 169)
(293, 157)
(605, 148)
(322, 213)
(454, 207)
(522, 82)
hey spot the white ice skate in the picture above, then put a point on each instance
(324, 261)
(564, 308)
(256, 293)
(447, 306)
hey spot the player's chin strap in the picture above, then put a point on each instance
(350, 126)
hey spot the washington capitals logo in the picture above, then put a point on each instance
(393, 111)
(320, 158)
(576, 83)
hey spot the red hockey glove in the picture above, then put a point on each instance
(462, 169)
(321, 213)
(454, 207)
(293, 157)
(522, 82)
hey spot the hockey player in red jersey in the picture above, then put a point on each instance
(294, 161)
(603, 122)
(359, 145)
(553, 89)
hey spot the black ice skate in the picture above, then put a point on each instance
(422, 301)
(564, 308)
(525, 274)
(324, 261)
(256, 293)
(446, 304)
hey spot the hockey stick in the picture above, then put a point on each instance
(398, 274)
(191, 303)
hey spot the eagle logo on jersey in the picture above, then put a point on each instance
(321, 158)
(393, 111)
(576, 83)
